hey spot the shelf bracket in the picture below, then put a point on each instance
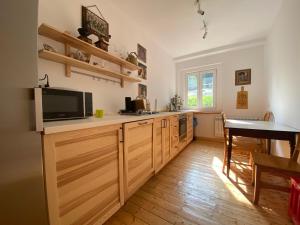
(67, 66)
(122, 72)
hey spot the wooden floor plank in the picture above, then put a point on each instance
(143, 214)
(166, 214)
(192, 189)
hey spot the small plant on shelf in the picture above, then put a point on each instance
(176, 103)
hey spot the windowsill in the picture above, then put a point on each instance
(207, 112)
(203, 111)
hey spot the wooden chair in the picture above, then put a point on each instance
(278, 166)
(269, 116)
(238, 143)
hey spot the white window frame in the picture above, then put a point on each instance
(199, 74)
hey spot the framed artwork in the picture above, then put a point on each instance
(243, 77)
(142, 90)
(142, 72)
(142, 53)
(242, 99)
(94, 24)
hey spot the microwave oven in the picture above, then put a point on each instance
(59, 104)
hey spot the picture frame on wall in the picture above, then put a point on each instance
(141, 53)
(94, 24)
(142, 91)
(243, 77)
(242, 99)
(142, 72)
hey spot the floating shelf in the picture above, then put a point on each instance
(60, 58)
(70, 41)
(66, 38)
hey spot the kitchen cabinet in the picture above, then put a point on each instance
(138, 155)
(174, 133)
(84, 174)
(167, 141)
(89, 173)
(178, 144)
(190, 134)
(161, 142)
(182, 144)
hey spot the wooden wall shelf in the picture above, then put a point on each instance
(70, 41)
(66, 38)
(60, 58)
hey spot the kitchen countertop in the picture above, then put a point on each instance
(69, 125)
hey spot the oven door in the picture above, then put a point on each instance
(62, 104)
(182, 128)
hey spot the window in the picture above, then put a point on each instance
(192, 87)
(200, 89)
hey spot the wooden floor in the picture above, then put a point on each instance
(193, 190)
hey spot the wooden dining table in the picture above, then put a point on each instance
(262, 130)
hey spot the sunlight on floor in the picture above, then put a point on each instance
(193, 189)
(217, 166)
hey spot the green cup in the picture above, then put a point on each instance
(99, 113)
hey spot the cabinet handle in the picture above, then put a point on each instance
(121, 137)
(163, 123)
(142, 123)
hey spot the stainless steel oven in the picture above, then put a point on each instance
(182, 126)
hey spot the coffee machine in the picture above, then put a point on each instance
(134, 107)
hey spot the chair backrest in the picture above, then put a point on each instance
(297, 150)
(224, 129)
(269, 116)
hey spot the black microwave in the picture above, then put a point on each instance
(60, 104)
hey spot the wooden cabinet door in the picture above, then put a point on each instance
(189, 127)
(161, 142)
(158, 143)
(182, 144)
(174, 129)
(166, 141)
(84, 175)
(138, 155)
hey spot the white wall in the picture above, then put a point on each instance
(282, 56)
(66, 15)
(227, 64)
(206, 126)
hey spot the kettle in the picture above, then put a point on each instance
(132, 57)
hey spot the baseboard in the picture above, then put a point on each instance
(211, 139)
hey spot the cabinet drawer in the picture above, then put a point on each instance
(138, 123)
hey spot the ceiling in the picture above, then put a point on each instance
(176, 26)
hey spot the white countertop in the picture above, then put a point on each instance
(69, 125)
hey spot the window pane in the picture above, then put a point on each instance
(192, 93)
(207, 90)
